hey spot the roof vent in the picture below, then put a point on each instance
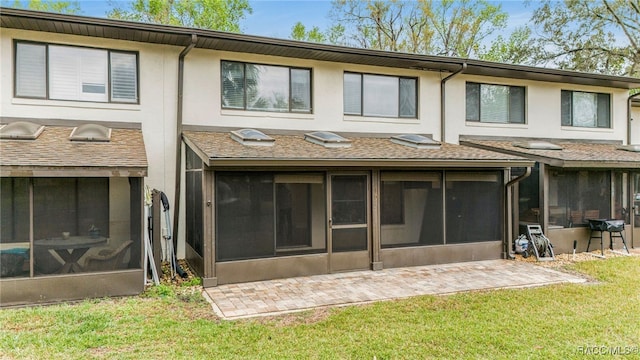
(21, 130)
(631, 147)
(327, 139)
(416, 141)
(537, 145)
(90, 132)
(252, 137)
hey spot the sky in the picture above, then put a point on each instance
(275, 18)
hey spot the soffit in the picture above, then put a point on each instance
(216, 40)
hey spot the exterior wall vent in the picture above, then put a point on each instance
(21, 130)
(631, 147)
(327, 139)
(537, 145)
(90, 132)
(416, 141)
(252, 137)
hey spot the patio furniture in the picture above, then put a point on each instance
(575, 217)
(108, 259)
(615, 228)
(70, 250)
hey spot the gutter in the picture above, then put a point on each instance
(178, 179)
(443, 99)
(629, 119)
(508, 242)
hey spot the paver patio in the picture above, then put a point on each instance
(262, 298)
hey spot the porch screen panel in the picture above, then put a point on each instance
(78, 206)
(411, 209)
(578, 195)
(474, 210)
(194, 210)
(14, 227)
(244, 216)
(300, 214)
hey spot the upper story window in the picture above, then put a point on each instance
(495, 103)
(586, 109)
(60, 72)
(380, 95)
(265, 87)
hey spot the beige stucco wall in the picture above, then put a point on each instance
(156, 111)
(542, 112)
(203, 99)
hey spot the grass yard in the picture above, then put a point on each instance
(554, 322)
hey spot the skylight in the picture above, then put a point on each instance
(537, 145)
(252, 137)
(631, 147)
(327, 139)
(416, 141)
(90, 132)
(22, 130)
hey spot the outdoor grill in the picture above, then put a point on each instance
(615, 228)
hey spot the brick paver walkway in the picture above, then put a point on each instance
(272, 297)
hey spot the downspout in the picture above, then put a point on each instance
(443, 99)
(176, 202)
(511, 183)
(629, 116)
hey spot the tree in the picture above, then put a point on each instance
(518, 48)
(445, 27)
(581, 35)
(300, 32)
(63, 7)
(223, 15)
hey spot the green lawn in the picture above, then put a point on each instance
(553, 322)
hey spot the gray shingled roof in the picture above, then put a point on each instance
(217, 148)
(54, 154)
(593, 154)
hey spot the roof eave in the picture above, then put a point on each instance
(71, 171)
(217, 40)
(382, 163)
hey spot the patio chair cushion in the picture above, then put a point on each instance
(108, 259)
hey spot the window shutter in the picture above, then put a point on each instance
(473, 102)
(408, 97)
(233, 83)
(604, 112)
(300, 90)
(516, 105)
(124, 77)
(352, 94)
(77, 74)
(31, 70)
(566, 108)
